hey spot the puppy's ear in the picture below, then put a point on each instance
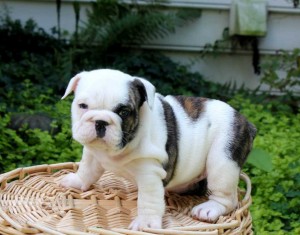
(72, 84)
(146, 90)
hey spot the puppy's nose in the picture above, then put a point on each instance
(101, 128)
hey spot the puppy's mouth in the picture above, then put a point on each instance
(111, 136)
(104, 144)
(105, 129)
(98, 134)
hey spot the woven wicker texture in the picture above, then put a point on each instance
(31, 202)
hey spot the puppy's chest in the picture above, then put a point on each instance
(118, 167)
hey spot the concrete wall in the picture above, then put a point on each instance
(283, 32)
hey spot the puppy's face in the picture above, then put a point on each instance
(106, 108)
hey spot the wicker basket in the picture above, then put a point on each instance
(31, 202)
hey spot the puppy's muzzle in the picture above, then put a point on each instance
(100, 126)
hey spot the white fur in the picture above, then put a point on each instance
(201, 149)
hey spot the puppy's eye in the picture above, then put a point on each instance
(124, 112)
(83, 106)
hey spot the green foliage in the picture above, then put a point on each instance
(260, 159)
(281, 72)
(276, 200)
(29, 53)
(32, 66)
(27, 147)
(113, 24)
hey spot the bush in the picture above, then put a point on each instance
(27, 147)
(276, 194)
(27, 52)
(281, 74)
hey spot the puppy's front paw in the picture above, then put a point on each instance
(146, 221)
(73, 181)
(208, 211)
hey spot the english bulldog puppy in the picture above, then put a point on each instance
(158, 142)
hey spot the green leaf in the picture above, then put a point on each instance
(260, 159)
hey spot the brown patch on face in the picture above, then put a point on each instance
(129, 111)
(193, 106)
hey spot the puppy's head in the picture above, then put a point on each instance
(107, 107)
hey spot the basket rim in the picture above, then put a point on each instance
(21, 173)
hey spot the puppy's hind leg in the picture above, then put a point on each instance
(222, 181)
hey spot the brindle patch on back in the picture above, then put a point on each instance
(193, 106)
(242, 141)
(172, 141)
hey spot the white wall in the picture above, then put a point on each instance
(283, 32)
(43, 12)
